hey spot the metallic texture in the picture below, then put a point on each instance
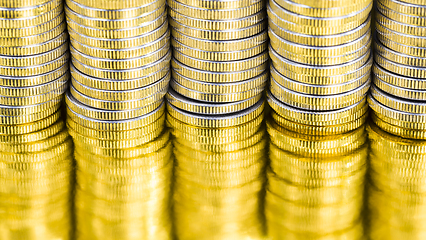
(36, 158)
(398, 97)
(120, 54)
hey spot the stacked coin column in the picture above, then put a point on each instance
(398, 100)
(315, 184)
(116, 115)
(215, 109)
(35, 148)
(320, 76)
(396, 202)
(398, 97)
(321, 62)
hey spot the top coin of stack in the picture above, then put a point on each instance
(220, 55)
(120, 74)
(320, 62)
(398, 97)
(396, 193)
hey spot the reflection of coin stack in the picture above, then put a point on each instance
(215, 110)
(315, 184)
(397, 193)
(35, 149)
(398, 97)
(120, 74)
(218, 175)
(320, 59)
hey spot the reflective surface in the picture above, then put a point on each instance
(290, 186)
(396, 193)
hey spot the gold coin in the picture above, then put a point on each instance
(218, 35)
(395, 114)
(121, 125)
(311, 89)
(316, 26)
(213, 25)
(138, 93)
(117, 33)
(220, 46)
(400, 131)
(221, 66)
(28, 71)
(121, 85)
(123, 74)
(29, 127)
(199, 107)
(318, 118)
(314, 55)
(26, 8)
(320, 41)
(321, 75)
(25, 110)
(31, 30)
(213, 92)
(397, 103)
(316, 102)
(217, 77)
(25, 119)
(115, 24)
(112, 5)
(35, 99)
(110, 115)
(42, 17)
(219, 56)
(216, 14)
(217, 121)
(319, 130)
(122, 13)
(120, 64)
(330, 11)
(117, 105)
(120, 54)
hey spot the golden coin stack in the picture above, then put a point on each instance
(398, 97)
(215, 110)
(397, 193)
(116, 116)
(218, 174)
(220, 55)
(35, 148)
(321, 61)
(315, 184)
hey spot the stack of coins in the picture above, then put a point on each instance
(320, 52)
(35, 149)
(220, 55)
(219, 71)
(315, 184)
(397, 193)
(218, 174)
(120, 74)
(398, 97)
